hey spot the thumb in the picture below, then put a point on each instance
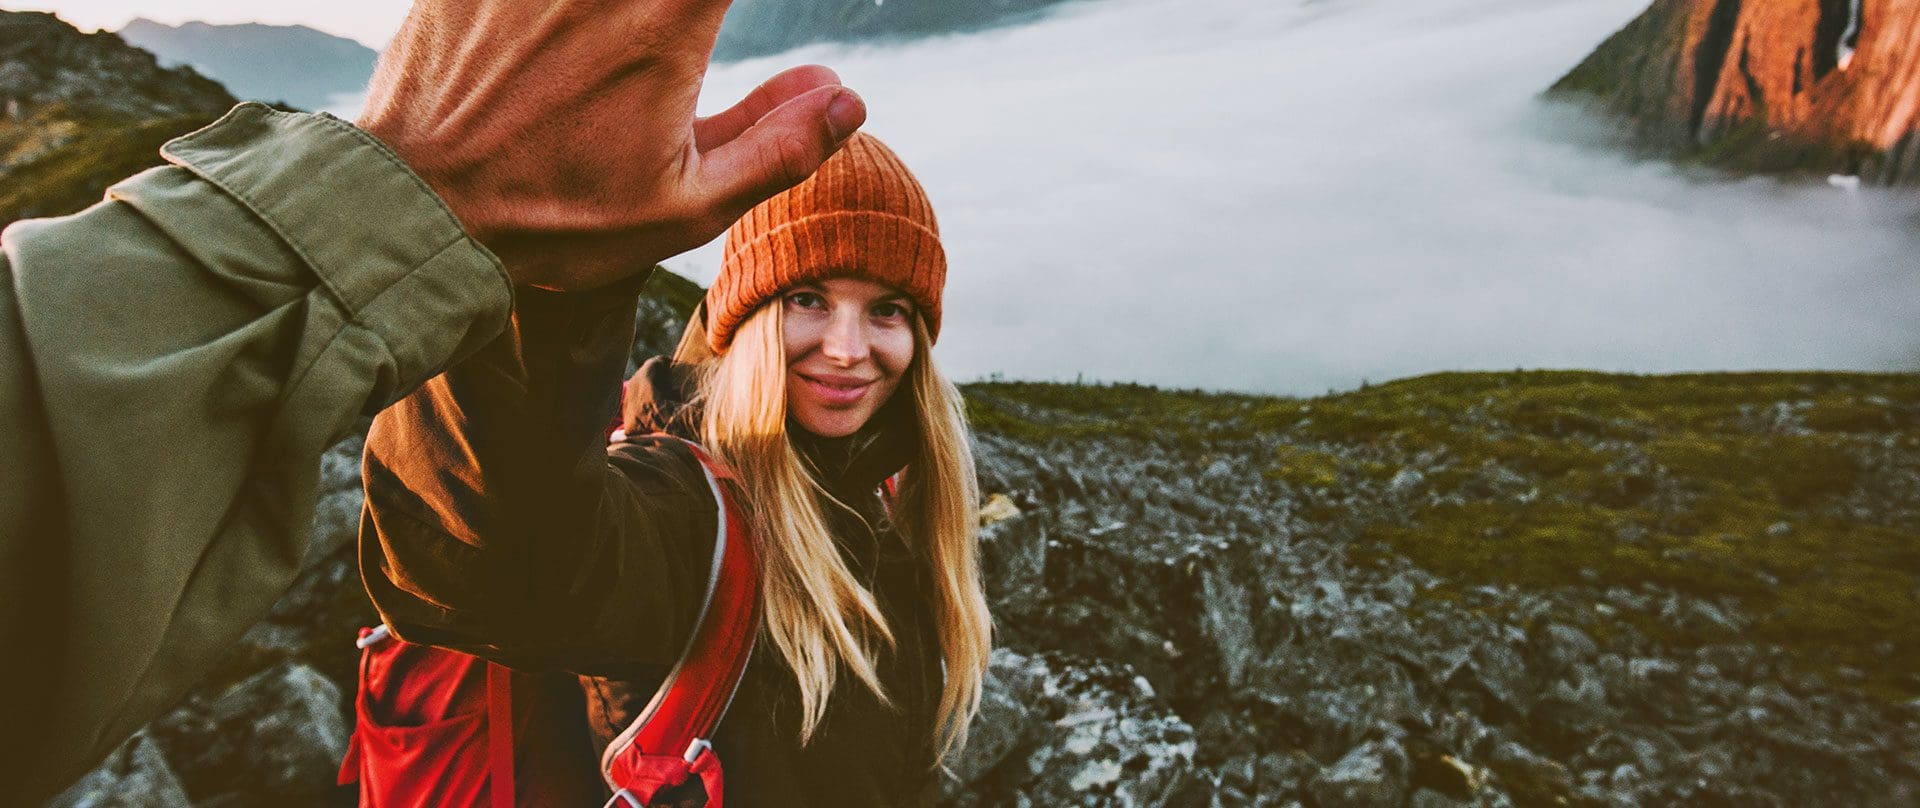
(784, 147)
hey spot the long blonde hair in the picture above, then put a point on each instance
(818, 615)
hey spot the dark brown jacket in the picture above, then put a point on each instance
(500, 523)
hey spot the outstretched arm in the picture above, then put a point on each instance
(174, 360)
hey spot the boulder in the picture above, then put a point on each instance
(1092, 733)
(277, 737)
(135, 776)
(1374, 773)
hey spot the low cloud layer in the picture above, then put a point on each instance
(1298, 196)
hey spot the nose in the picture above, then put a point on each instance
(845, 341)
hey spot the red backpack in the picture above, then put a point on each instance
(436, 727)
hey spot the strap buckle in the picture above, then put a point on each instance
(698, 747)
(374, 636)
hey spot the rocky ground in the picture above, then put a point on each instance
(1470, 589)
(1465, 589)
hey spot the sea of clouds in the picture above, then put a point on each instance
(1293, 196)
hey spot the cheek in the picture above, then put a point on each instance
(894, 351)
(801, 335)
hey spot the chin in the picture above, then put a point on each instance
(832, 426)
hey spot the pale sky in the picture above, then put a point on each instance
(370, 21)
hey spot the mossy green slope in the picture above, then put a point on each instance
(75, 173)
(1796, 495)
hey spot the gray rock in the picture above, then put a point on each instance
(1372, 774)
(1278, 775)
(135, 776)
(1503, 673)
(1098, 736)
(1226, 618)
(277, 736)
(1400, 590)
(1013, 554)
(336, 513)
(1004, 722)
(1654, 670)
(1567, 646)
(1576, 705)
(1406, 483)
(1530, 778)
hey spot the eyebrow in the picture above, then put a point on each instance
(820, 288)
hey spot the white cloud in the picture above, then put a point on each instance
(1298, 196)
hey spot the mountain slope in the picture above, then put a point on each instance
(1808, 85)
(290, 63)
(84, 110)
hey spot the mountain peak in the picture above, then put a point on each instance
(46, 62)
(1813, 87)
(297, 64)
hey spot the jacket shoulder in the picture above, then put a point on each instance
(659, 464)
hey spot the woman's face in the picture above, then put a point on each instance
(849, 342)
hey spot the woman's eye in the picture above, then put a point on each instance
(805, 300)
(889, 311)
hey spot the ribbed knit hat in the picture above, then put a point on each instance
(861, 215)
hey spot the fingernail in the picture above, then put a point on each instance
(845, 113)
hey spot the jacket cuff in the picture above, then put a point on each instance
(364, 223)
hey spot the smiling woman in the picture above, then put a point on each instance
(503, 526)
(828, 301)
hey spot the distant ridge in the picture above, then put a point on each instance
(292, 63)
(761, 27)
(310, 69)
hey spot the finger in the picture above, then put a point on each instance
(783, 148)
(714, 130)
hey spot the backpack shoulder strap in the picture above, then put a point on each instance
(500, 774)
(668, 741)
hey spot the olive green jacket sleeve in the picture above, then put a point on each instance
(173, 362)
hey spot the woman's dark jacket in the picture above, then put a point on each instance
(500, 523)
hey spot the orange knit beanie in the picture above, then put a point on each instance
(861, 215)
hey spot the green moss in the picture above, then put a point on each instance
(75, 174)
(988, 415)
(1843, 413)
(1041, 411)
(1305, 468)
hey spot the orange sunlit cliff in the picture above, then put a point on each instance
(1817, 85)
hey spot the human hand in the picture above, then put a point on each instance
(562, 133)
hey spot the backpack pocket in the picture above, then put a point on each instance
(421, 726)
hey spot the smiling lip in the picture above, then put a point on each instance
(836, 389)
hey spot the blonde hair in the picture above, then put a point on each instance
(818, 615)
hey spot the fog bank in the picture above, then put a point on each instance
(1297, 196)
